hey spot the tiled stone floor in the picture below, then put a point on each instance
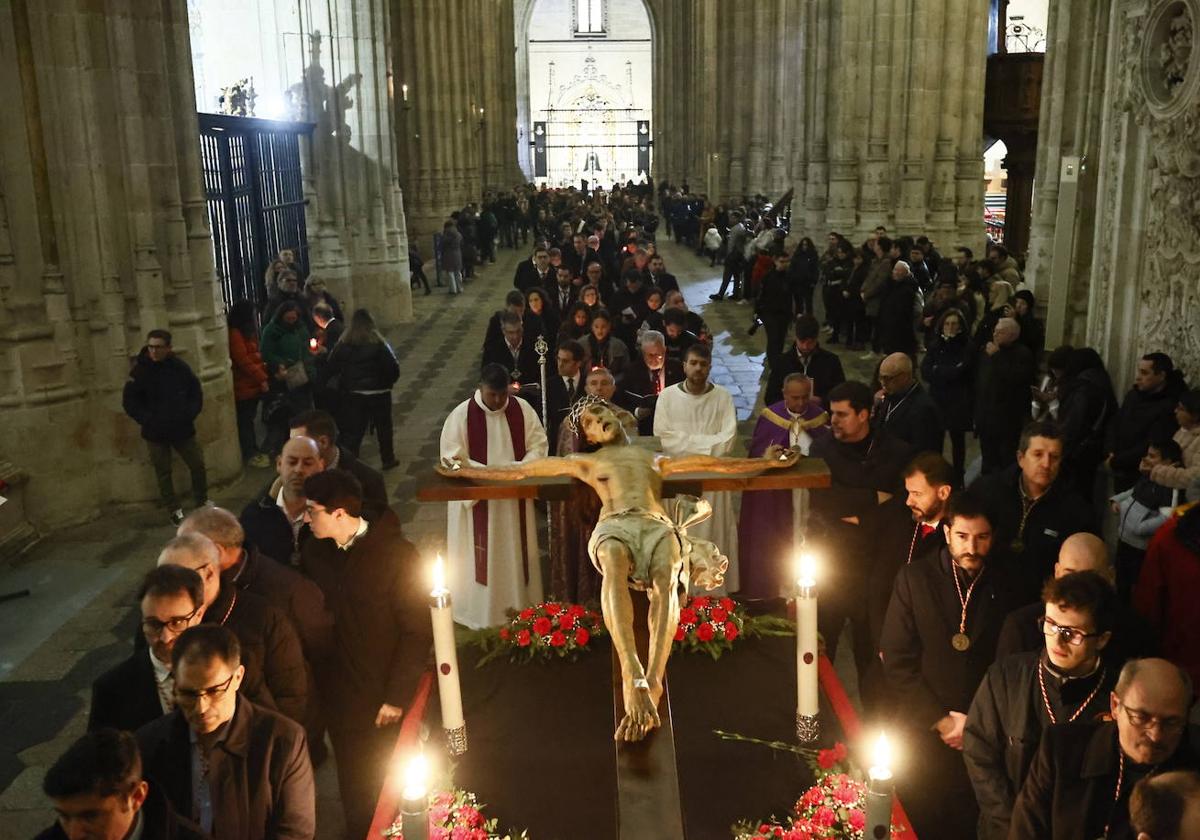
(79, 618)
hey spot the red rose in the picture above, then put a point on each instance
(679, 634)
(566, 621)
(582, 636)
(705, 632)
(470, 815)
(718, 614)
(687, 615)
(839, 751)
(811, 797)
(542, 625)
(727, 604)
(701, 602)
(523, 638)
(731, 631)
(826, 759)
(553, 609)
(504, 634)
(525, 614)
(576, 610)
(557, 639)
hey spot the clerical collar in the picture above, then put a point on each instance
(333, 460)
(362, 529)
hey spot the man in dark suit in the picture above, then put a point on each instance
(579, 254)
(939, 638)
(273, 523)
(1004, 374)
(563, 295)
(1031, 511)
(98, 792)
(565, 389)
(810, 358)
(534, 272)
(241, 771)
(648, 375)
(321, 427)
(141, 688)
(1082, 775)
(660, 277)
(906, 410)
(276, 676)
(679, 338)
(628, 306)
(517, 356)
(372, 584)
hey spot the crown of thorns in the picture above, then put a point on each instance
(585, 402)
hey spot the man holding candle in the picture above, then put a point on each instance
(1066, 681)
(371, 580)
(939, 638)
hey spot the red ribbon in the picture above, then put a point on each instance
(477, 449)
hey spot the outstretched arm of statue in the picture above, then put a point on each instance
(571, 465)
(775, 457)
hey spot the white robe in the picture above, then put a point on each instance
(477, 605)
(704, 425)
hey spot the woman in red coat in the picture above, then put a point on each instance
(1168, 587)
(250, 380)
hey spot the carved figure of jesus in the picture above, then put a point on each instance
(636, 543)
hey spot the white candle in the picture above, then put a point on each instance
(446, 657)
(414, 799)
(404, 91)
(879, 791)
(807, 682)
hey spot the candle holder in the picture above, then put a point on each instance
(456, 740)
(881, 788)
(808, 728)
(414, 800)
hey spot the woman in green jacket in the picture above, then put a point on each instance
(288, 353)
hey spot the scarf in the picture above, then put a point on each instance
(477, 450)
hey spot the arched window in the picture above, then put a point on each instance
(590, 18)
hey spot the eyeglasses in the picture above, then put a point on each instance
(1145, 721)
(153, 627)
(188, 697)
(1070, 635)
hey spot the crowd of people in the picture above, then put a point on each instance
(1043, 683)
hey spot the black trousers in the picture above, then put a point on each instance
(362, 756)
(733, 271)
(958, 450)
(802, 295)
(833, 611)
(776, 330)
(247, 437)
(360, 409)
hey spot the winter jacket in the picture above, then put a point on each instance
(1002, 383)
(875, 286)
(285, 344)
(895, 324)
(1166, 591)
(164, 398)
(774, 301)
(452, 254)
(1136, 519)
(1181, 477)
(1086, 406)
(364, 367)
(948, 371)
(249, 372)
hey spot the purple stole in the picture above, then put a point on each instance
(477, 450)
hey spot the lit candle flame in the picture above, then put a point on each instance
(881, 758)
(806, 570)
(404, 91)
(416, 777)
(439, 576)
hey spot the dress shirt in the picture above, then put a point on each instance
(164, 682)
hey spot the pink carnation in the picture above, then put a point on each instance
(858, 820)
(824, 817)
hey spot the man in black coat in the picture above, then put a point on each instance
(514, 353)
(1146, 415)
(164, 397)
(322, 428)
(372, 584)
(863, 508)
(141, 688)
(774, 307)
(897, 312)
(1032, 512)
(561, 297)
(1133, 638)
(565, 389)
(660, 277)
(906, 410)
(810, 358)
(647, 376)
(254, 762)
(1066, 680)
(1004, 375)
(271, 652)
(578, 254)
(1079, 782)
(273, 523)
(675, 329)
(939, 638)
(97, 786)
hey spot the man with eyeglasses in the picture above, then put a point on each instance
(1066, 681)
(938, 640)
(240, 771)
(904, 408)
(1079, 784)
(141, 688)
(646, 378)
(164, 397)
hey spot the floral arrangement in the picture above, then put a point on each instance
(711, 625)
(550, 630)
(455, 815)
(835, 808)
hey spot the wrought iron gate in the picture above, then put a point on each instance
(255, 193)
(594, 142)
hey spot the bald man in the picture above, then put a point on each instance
(276, 676)
(904, 408)
(274, 522)
(1004, 373)
(1080, 781)
(1082, 552)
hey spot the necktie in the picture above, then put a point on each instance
(570, 382)
(926, 529)
(657, 381)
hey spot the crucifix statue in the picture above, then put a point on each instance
(637, 543)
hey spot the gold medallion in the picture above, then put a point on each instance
(960, 641)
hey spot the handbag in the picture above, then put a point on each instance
(296, 376)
